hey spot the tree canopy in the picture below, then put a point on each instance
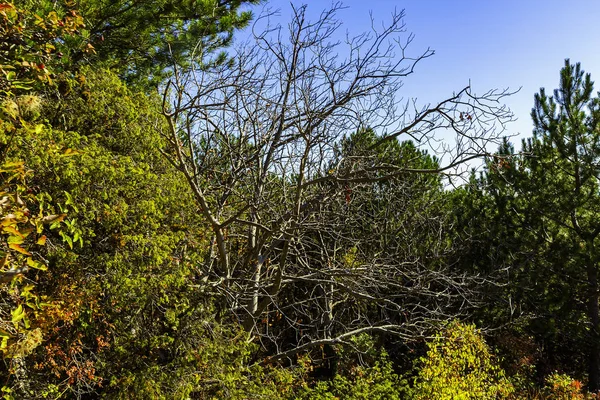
(141, 40)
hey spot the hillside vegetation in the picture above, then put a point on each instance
(185, 219)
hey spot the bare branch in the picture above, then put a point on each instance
(322, 231)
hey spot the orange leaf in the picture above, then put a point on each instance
(18, 248)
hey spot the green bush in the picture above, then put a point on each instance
(362, 372)
(459, 365)
(378, 382)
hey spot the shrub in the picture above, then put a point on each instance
(459, 365)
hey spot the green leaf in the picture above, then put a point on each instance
(67, 238)
(16, 239)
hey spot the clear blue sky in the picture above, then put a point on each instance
(494, 44)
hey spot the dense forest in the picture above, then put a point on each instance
(187, 217)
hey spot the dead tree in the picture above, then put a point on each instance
(258, 140)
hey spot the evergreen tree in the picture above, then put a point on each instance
(564, 190)
(141, 40)
(536, 218)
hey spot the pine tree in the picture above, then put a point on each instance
(564, 190)
(538, 219)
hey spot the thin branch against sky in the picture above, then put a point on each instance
(511, 44)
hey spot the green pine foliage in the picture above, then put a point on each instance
(141, 40)
(535, 220)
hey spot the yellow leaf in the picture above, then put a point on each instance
(42, 240)
(70, 152)
(16, 166)
(17, 314)
(8, 220)
(36, 264)
(27, 288)
(11, 230)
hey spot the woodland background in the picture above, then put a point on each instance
(183, 218)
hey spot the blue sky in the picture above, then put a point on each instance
(492, 44)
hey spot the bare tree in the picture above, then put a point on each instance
(259, 141)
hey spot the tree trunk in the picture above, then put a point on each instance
(594, 339)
